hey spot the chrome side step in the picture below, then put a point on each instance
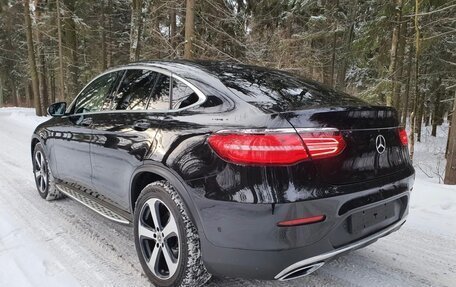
(92, 203)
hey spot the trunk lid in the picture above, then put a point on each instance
(373, 146)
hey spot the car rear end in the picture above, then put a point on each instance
(316, 175)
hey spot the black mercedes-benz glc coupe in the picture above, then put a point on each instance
(227, 169)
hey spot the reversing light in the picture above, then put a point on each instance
(323, 143)
(302, 221)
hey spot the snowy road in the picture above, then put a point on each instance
(62, 243)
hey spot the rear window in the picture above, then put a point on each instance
(276, 91)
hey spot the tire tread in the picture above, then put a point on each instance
(195, 273)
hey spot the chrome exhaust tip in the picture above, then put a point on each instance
(300, 272)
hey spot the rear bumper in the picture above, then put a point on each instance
(283, 275)
(278, 265)
(243, 240)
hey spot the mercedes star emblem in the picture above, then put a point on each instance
(380, 144)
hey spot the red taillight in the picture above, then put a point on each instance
(302, 221)
(323, 144)
(403, 136)
(270, 148)
(275, 147)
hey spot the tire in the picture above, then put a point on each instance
(177, 244)
(44, 180)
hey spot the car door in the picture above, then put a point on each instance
(123, 135)
(72, 133)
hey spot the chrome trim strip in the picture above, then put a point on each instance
(326, 256)
(372, 129)
(310, 130)
(279, 130)
(201, 95)
(299, 130)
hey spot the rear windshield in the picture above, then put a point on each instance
(276, 91)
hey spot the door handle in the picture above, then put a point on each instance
(86, 122)
(141, 125)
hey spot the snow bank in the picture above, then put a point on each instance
(23, 116)
(429, 159)
(433, 208)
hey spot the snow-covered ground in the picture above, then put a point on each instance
(62, 243)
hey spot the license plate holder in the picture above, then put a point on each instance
(370, 217)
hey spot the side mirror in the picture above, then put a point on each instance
(57, 109)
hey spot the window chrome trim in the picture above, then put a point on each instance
(202, 97)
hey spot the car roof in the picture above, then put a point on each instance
(201, 69)
(270, 90)
(196, 67)
(175, 65)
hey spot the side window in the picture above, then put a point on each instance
(135, 90)
(182, 95)
(109, 100)
(159, 99)
(92, 97)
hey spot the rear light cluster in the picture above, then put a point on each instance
(276, 147)
(403, 136)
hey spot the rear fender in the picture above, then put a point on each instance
(180, 185)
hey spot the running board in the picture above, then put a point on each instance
(91, 202)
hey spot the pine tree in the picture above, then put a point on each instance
(31, 58)
(189, 29)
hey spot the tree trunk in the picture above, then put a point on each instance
(135, 29)
(44, 96)
(1, 90)
(415, 102)
(156, 30)
(348, 43)
(397, 82)
(15, 100)
(172, 30)
(109, 44)
(436, 116)
(41, 67)
(450, 118)
(9, 28)
(421, 114)
(17, 95)
(28, 92)
(450, 171)
(52, 86)
(407, 84)
(103, 37)
(333, 57)
(31, 58)
(394, 49)
(189, 29)
(419, 117)
(71, 48)
(62, 96)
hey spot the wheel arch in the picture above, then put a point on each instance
(35, 141)
(152, 171)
